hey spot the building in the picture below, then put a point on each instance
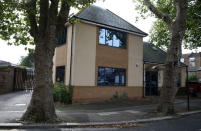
(193, 60)
(154, 65)
(101, 55)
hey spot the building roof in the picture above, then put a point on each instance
(197, 54)
(5, 63)
(153, 54)
(104, 17)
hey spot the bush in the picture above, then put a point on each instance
(193, 77)
(63, 93)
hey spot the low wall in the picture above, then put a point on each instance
(101, 93)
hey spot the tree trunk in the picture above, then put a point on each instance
(168, 91)
(41, 107)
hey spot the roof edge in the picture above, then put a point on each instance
(111, 27)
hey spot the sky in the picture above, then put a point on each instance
(123, 8)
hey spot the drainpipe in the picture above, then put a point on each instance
(187, 88)
(71, 54)
(143, 80)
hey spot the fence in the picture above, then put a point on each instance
(15, 79)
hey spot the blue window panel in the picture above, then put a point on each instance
(102, 36)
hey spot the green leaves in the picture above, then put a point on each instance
(160, 33)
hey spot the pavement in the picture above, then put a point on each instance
(187, 123)
(13, 105)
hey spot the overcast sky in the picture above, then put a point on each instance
(123, 8)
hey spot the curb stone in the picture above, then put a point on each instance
(74, 125)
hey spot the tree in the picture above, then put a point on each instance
(160, 34)
(28, 60)
(39, 22)
(176, 23)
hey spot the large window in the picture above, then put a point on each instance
(111, 76)
(60, 73)
(62, 37)
(112, 38)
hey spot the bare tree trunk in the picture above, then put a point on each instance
(41, 107)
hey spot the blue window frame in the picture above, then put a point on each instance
(112, 38)
(111, 76)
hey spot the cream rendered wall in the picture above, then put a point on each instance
(59, 59)
(135, 56)
(67, 69)
(84, 55)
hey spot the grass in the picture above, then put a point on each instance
(104, 105)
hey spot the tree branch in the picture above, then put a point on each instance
(53, 11)
(63, 15)
(43, 21)
(181, 6)
(31, 11)
(159, 14)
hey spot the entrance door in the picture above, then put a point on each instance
(151, 83)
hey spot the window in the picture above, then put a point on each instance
(111, 76)
(62, 37)
(182, 60)
(192, 62)
(112, 38)
(60, 73)
(179, 80)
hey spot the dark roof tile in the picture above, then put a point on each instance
(106, 17)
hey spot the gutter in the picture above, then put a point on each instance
(143, 89)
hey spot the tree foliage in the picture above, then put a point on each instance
(160, 33)
(28, 60)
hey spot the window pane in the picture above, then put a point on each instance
(111, 76)
(102, 36)
(109, 37)
(123, 40)
(101, 76)
(116, 41)
(60, 73)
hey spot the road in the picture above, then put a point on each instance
(13, 105)
(188, 123)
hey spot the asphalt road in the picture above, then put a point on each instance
(13, 105)
(188, 123)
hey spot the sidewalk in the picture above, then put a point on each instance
(12, 108)
(124, 113)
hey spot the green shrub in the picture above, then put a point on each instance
(63, 93)
(116, 96)
(192, 77)
(124, 96)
